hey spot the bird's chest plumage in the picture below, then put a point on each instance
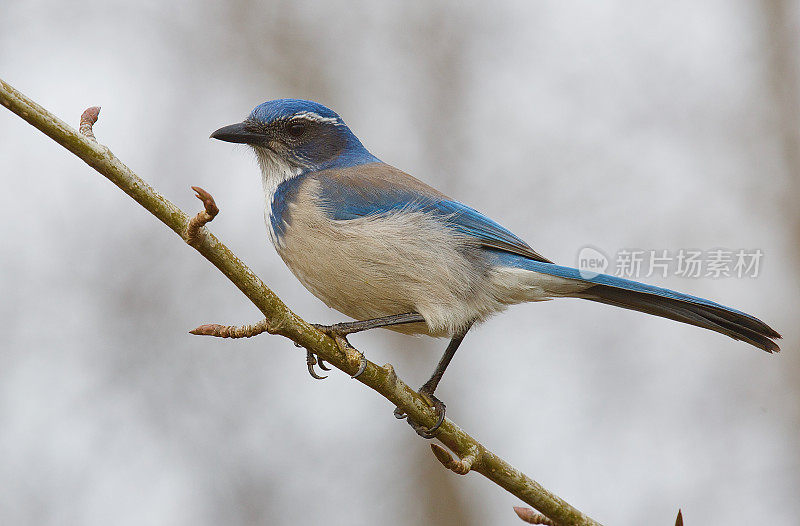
(371, 266)
(379, 264)
(344, 263)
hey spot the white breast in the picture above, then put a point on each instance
(274, 171)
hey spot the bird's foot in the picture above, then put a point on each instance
(425, 432)
(339, 332)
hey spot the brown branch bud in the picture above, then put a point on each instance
(532, 516)
(232, 331)
(208, 201)
(88, 118)
(459, 467)
(203, 217)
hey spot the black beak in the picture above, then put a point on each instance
(240, 132)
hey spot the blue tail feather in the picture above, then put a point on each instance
(620, 292)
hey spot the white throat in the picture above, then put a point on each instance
(274, 171)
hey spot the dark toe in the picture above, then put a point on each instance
(425, 432)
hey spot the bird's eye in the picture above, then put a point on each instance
(297, 129)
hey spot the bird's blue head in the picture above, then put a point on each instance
(302, 133)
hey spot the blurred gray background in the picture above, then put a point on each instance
(614, 124)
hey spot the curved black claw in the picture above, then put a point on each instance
(311, 361)
(322, 365)
(399, 414)
(362, 365)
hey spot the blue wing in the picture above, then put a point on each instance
(377, 188)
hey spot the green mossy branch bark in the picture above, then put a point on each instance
(281, 320)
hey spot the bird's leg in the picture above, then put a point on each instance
(350, 327)
(429, 387)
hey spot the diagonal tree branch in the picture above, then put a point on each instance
(281, 320)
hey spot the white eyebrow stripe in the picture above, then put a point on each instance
(316, 117)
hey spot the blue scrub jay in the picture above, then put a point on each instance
(384, 248)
